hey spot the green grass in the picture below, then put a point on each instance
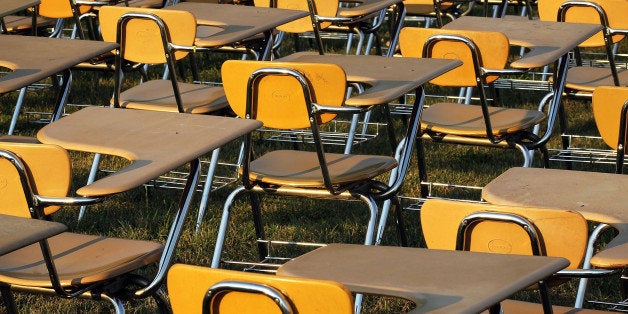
(145, 213)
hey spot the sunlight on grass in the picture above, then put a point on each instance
(146, 212)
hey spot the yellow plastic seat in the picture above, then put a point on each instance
(610, 14)
(334, 17)
(290, 95)
(452, 9)
(141, 41)
(609, 111)
(244, 292)
(72, 265)
(307, 24)
(481, 227)
(62, 9)
(430, 9)
(599, 61)
(302, 25)
(155, 4)
(484, 56)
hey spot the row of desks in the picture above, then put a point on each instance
(410, 273)
(12, 7)
(149, 145)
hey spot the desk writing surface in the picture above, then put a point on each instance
(155, 142)
(548, 41)
(365, 8)
(8, 7)
(18, 232)
(597, 196)
(437, 281)
(35, 58)
(228, 24)
(389, 78)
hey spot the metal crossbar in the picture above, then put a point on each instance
(621, 306)
(436, 190)
(177, 179)
(336, 133)
(272, 261)
(593, 152)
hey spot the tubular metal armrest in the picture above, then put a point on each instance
(466, 227)
(341, 110)
(502, 71)
(74, 201)
(607, 31)
(586, 273)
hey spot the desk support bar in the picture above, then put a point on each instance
(175, 231)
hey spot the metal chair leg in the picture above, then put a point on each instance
(388, 203)
(545, 298)
(527, 160)
(7, 299)
(401, 227)
(224, 222)
(16, 111)
(117, 303)
(586, 263)
(207, 188)
(370, 230)
(260, 234)
(91, 177)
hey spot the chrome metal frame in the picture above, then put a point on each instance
(466, 228)
(367, 192)
(525, 141)
(568, 153)
(224, 287)
(114, 290)
(464, 236)
(169, 49)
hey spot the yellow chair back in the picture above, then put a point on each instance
(48, 167)
(60, 9)
(493, 49)
(615, 12)
(328, 8)
(188, 285)
(607, 106)
(280, 102)
(563, 233)
(142, 42)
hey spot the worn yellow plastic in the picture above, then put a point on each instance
(59, 9)
(493, 46)
(328, 8)
(563, 233)
(48, 165)
(607, 105)
(140, 44)
(187, 286)
(79, 259)
(615, 12)
(280, 103)
(425, 7)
